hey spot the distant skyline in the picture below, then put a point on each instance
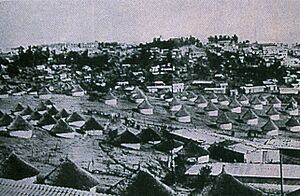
(26, 22)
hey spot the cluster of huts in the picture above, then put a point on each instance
(43, 92)
(21, 121)
(68, 178)
(257, 114)
(74, 179)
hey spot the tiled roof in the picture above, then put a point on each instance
(11, 187)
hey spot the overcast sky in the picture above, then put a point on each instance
(26, 22)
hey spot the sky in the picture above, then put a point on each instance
(26, 22)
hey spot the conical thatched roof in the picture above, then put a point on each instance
(294, 193)
(293, 100)
(269, 126)
(211, 107)
(255, 101)
(292, 122)
(138, 95)
(26, 111)
(248, 115)
(46, 119)
(91, 124)
(62, 114)
(145, 105)
(212, 96)
(225, 184)
(273, 100)
(19, 123)
(167, 145)
(291, 106)
(77, 88)
(35, 115)
(192, 149)
(191, 95)
(234, 103)
(14, 167)
(44, 91)
(5, 120)
(126, 137)
(144, 183)
(262, 98)
(70, 175)
(19, 107)
(272, 111)
(174, 102)
(223, 118)
(109, 96)
(41, 106)
(201, 99)
(243, 97)
(53, 110)
(149, 134)
(75, 117)
(61, 127)
(223, 97)
(182, 112)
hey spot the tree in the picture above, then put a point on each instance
(235, 38)
(13, 70)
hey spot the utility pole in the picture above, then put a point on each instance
(281, 174)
